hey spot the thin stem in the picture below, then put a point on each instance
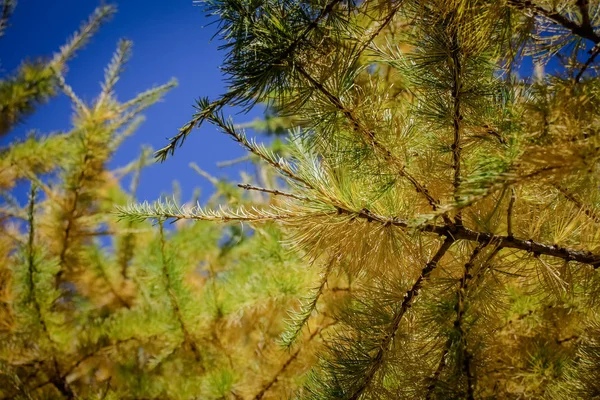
(592, 214)
(458, 232)
(461, 295)
(126, 254)
(234, 96)
(509, 212)
(457, 117)
(173, 299)
(409, 297)
(6, 10)
(287, 363)
(586, 32)
(61, 384)
(593, 54)
(369, 136)
(251, 147)
(229, 163)
(272, 191)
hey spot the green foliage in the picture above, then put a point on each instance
(96, 308)
(37, 81)
(457, 202)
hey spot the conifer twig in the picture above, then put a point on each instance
(458, 322)
(461, 294)
(369, 137)
(509, 212)
(300, 319)
(114, 69)
(204, 174)
(71, 217)
(406, 304)
(229, 163)
(458, 232)
(592, 214)
(80, 38)
(187, 338)
(457, 116)
(593, 54)
(272, 191)
(289, 361)
(584, 31)
(232, 97)
(61, 384)
(6, 9)
(126, 254)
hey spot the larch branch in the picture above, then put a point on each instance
(409, 297)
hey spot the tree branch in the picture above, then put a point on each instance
(187, 338)
(232, 97)
(592, 214)
(272, 191)
(369, 136)
(457, 117)
(463, 233)
(586, 32)
(406, 304)
(287, 363)
(593, 54)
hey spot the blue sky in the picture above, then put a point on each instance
(171, 39)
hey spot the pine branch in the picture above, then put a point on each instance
(6, 9)
(114, 69)
(584, 31)
(71, 216)
(386, 21)
(68, 90)
(187, 338)
(458, 325)
(388, 338)
(125, 254)
(169, 210)
(299, 319)
(591, 213)
(31, 262)
(197, 120)
(100, 16)
(593, 54)
(36, 82)
(369, 137)
(267, 156)
(61, 384)
(456, 70)
(289, 361)
(147, 98)
(237, 95)
(273, 192)
(132, 108)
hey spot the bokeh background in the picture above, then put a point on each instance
(172, 39)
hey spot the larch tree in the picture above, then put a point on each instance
(96, 308)
(443, 172)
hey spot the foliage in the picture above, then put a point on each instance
(96, 308)
(460, 199)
